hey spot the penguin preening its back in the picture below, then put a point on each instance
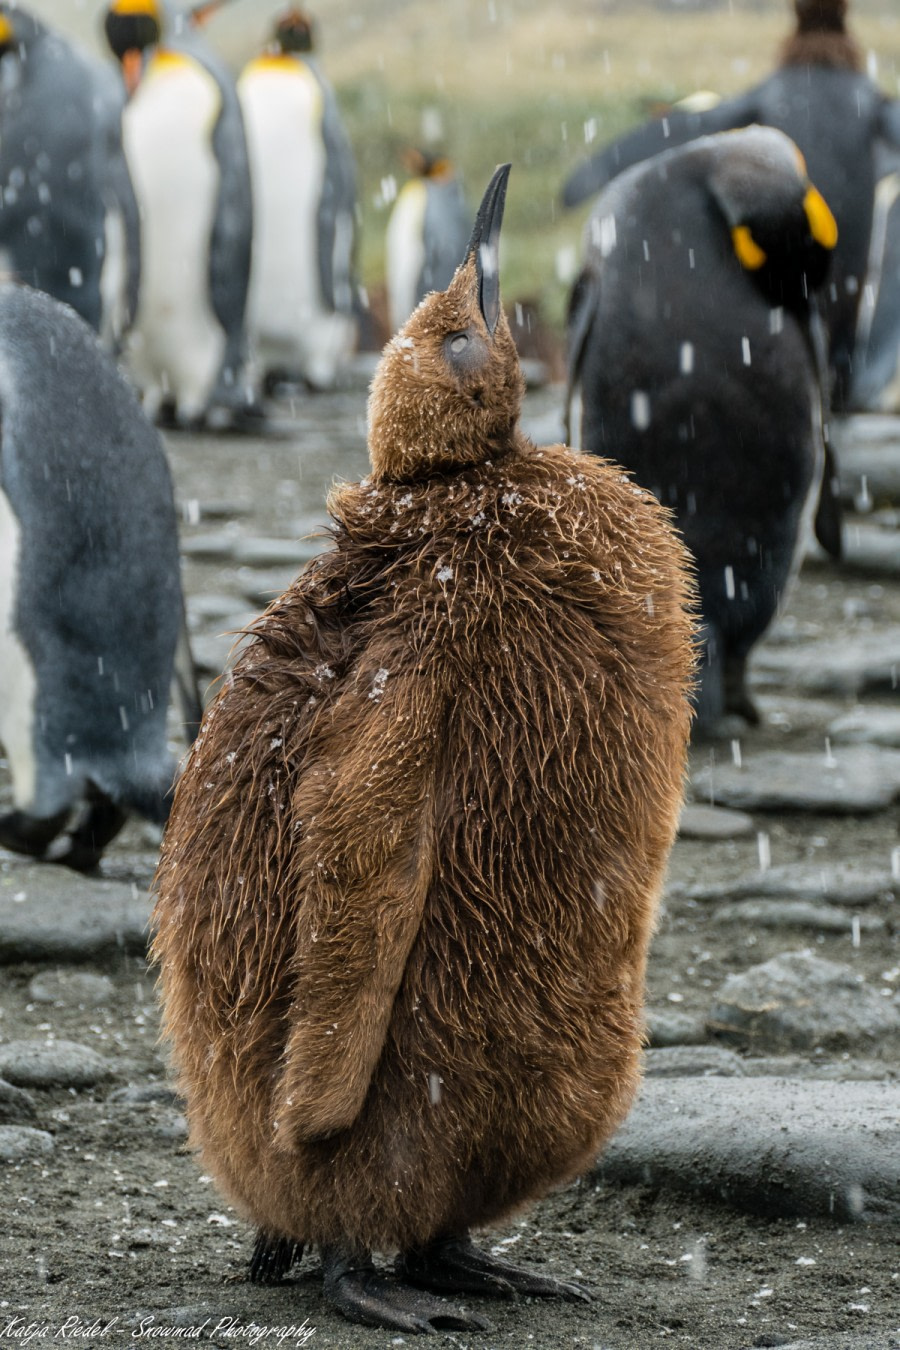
(821, 98)
(187, 152)
(90, 595)
(408, 883)
(302, 291)
(693, 357)
(65, 187)
(426, 234)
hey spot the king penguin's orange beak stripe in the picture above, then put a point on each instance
(748, 251)
(132, 67)
(822, 224)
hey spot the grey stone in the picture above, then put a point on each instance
(139, 1093)
(869, 1340)
(867, 664)
(713, 822)
(796, 914)
(685, 1061)
(255, 552)
(768, 1145)
(214, 654)
(666, 1027)
(867, 448)
(210, 607)
(52, 1064)
(71, 988)
(194, 509)
(261, 588)
(832, 883)
(19, 1142)
(797, 1001)
(855, 780)
(50, 913)
(211, 546)
(868, 549)
(847, 1069)
(867, 726)
(16, 1107)
(172, 1126)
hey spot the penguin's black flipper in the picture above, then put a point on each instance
(829, 512)
(272, 1258)
(583, 303)
(30, 835)
(652, 138)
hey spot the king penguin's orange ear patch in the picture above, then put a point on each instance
(822, 224)
(749, 253)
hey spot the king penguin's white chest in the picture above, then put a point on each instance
(405, 251)
(282, 105)
(167, 130)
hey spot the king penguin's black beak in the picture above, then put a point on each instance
(484, 246)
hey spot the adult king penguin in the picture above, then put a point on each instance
(406, 891)
(820, 97)
(876, 364)
(90, 596)
(302, 292)
(68, 223)
(426, 234)
(185, 144)
(693, 362)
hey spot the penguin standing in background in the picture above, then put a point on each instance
(68, 224)
(302, 294)
(426, 234)
(823, 100)
(876, 364)
(187, 153)
(693, 362)
(412, 867)
(90, 593)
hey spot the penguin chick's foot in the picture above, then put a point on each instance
(272, 1258)
(456, 1265)
(356, 1289)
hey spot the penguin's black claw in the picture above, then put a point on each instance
(272, 1258)
(356, 1289)
(456, 1265)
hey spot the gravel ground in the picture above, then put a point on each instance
(113, 1233)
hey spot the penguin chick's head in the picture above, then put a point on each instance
(820, 16)
(782, 229)
(131, 26)
(821, 38)
(294, 32)
(449, 388)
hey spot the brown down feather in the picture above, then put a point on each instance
(413, 863)
(821, 38)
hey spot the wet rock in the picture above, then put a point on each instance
(215, 653)
(867, 726)
(713, 822)
(868, 459)
(867, 664)
(136, 1093)
(868, 549)
(47, 1064)
(49, 913)
(211, 546)
(841, 1341)
(797, 1001)
(847, 1069)
(824, 882)
(16, 1107)
(213, 608)
(855, 780)
(171, 1125)
(796, 914)
(685, 1061)
(293, 553)
(667, 1027)
(18, 1142)
(768, 1145)
(261, 588)
(71, 988)
(194, 510)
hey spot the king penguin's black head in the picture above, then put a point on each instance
(449, 387)
(782, 230)
(294, 32)
(132, 26)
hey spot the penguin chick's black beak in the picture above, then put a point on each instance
(484, 246)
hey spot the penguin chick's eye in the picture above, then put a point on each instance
(465, 352)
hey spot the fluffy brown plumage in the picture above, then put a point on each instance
(412, 866)
(821, 37)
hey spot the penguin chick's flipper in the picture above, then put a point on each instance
(456, 1265)
(31, 835)
(362, 908)
(272, 1258)
(355, 1288)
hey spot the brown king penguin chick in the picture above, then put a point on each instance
(412, 866)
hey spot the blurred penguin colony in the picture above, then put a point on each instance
(740, 279)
